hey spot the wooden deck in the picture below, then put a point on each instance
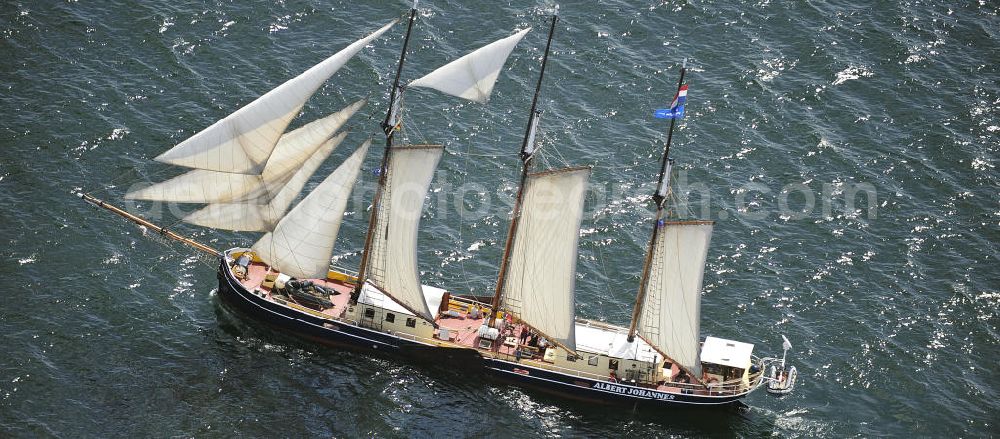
(255, 281)
(462, 327)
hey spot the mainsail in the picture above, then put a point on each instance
(389, 261)
(243, 141)
(292, 150)
(260, 215)
(392, 262)
(472, 76)
(671, 312)
(302, 242)
(541, 270)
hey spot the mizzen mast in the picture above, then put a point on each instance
(667, 310)
(659, 197)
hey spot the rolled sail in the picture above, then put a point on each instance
(263, 216)
(243, 141)
(541, 269)
(302, 242)
(292, 150)
(671, 314)
(472, 76)
(392, 261)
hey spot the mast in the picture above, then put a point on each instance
(659, 196)
(389, 129)
(527, 150)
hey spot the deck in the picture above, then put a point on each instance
(460, 324)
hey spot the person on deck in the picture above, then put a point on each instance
(613, 377)
(524, 334)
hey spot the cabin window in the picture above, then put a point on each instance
(390, 317)
(592, 360)
(613, 364)
(571, 357)
(412, 323)
(369, 313)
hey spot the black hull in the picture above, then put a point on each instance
(345, 335)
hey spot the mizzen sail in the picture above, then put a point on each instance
(671, 314)
(293, 149)
(302, 242)
(539, 287)
(472, 76)
(243, 141)
(392, 264)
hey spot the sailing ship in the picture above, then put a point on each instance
(247, 171)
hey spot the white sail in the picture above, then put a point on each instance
(294, 148)
(302, 242)
(671, 314)
(541, 268)
(392, 262)
(259, 215)
(472, 76)
(243, 141)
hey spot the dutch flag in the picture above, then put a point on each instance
(676, 109)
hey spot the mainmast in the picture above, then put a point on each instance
(389, 128)
(659, 197)
(527, 153)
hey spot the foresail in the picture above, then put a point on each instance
(243, 141)
(302, 242)
(392, 264)
(295, 148)
(292, 150)
(541, 270)
(472, 76)
(260, 215)
(671, 314)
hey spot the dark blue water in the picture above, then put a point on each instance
(847, 152)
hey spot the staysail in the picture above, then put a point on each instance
(541, 270)
(259, 215)
(302, 242)
(392, 263)
(292, 150)
(472, 76)
(671, 314)
(243, 141)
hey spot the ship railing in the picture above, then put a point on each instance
(468, 301)
(344, 270)
(731, 387)
(551, 367)
(430, 341)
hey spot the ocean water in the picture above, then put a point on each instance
(848, 153)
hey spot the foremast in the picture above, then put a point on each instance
(526, 156)
(389, 125)
(389, 260)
